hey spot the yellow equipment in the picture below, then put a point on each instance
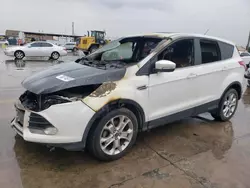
(92, 42)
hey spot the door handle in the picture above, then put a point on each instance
(192, 75)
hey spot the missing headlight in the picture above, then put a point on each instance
(38, 103)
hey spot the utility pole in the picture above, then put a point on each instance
(73, 28)
(248, 42)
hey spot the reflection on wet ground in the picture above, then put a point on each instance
(195, 152)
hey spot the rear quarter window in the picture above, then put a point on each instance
(226, 50)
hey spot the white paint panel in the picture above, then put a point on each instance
(70, 119)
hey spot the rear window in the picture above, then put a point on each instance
(210, 51)
(227, 50)
(46, 45)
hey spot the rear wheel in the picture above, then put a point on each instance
(74, 49)
(19, 54)
(227, 106)
(114, 135)
(55, 56)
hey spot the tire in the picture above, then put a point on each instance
(19, 54)
(113, 146)
(93, 49)
(74, 50)
(221, 114)
(55, 56)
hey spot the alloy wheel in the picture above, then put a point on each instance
(55, 55)
(229, 106)
(116, 135)
(19, 55)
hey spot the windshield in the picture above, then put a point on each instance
(121, 53)
(129, 50)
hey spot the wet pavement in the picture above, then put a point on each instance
(195, 152)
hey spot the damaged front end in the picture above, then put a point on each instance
(37, 103)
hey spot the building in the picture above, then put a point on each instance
(38, 36)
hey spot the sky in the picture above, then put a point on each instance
(228, 19)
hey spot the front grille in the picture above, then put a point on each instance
(37, 121)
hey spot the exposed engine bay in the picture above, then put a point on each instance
(41, 102)
(102, 64)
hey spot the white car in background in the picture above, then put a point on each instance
(4, 42)
(70, 46)
(36, 49)
(245, 57)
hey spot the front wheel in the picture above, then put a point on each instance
(227, 106)
(114, 135)
(19, 55)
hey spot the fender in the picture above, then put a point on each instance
(130, 104)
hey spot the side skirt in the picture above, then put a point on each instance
(183, 114)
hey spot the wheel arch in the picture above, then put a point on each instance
(55, 52)
(125, 103)
(235, 85)
(19, 51)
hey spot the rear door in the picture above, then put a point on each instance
(214, 59)
(46, 49)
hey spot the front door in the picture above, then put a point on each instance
(33, 49)
(171, 93)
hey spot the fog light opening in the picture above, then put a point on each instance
(50, 131)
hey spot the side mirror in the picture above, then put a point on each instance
(164, 66)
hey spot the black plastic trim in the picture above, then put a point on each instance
(184, 114)
(230, 86)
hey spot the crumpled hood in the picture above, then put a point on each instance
(69, 75)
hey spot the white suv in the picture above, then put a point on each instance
(130, 85)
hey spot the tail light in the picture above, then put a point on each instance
(242, 63)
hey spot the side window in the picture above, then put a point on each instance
(227, 50)
(181, 53)
(148, 47)
(210, 51)
(46, 45)
(36, 44)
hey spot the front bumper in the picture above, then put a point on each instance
(70, 120)
(8, 53)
